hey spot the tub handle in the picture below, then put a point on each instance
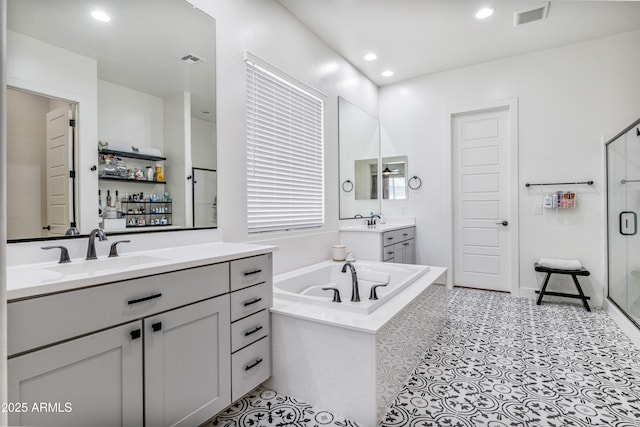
(374, 295)
(336, 293)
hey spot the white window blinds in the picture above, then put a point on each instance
(285, 165)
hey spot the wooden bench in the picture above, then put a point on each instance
(573, 273)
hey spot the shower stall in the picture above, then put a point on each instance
(623, 208)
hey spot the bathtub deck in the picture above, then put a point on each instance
(371, 322)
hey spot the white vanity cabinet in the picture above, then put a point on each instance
(154, 351)
(96, 380)
(383, 243)
(399, 246)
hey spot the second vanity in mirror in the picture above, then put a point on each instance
(96, 108)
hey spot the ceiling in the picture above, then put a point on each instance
(419, 37)
(139, 48)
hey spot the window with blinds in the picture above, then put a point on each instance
(285, 146)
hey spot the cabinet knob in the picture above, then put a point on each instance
(156, 326)
(135, 334)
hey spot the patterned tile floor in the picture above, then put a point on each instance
(499, 361)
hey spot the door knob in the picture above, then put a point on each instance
(505, 223)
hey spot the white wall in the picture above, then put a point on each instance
(130, 117)
(203, 144)
(3, 207)
(269, 31)
(177, 129)
(569, 99)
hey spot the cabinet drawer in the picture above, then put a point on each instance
(41, 321)
(249, 330)
(395, 236)
(250, 271)
(388, 253)
(250, 300)
(250, 367)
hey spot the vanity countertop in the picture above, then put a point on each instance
(378, 228)
(31, 280)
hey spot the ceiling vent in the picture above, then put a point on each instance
(191, 59)
(530, 14)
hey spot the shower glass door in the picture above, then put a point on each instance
(623, 208)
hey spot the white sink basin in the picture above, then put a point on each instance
(102, 264)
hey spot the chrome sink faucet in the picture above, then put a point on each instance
(91, 249)
(355, 292)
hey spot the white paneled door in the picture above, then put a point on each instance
(481, 185)
(58, 141)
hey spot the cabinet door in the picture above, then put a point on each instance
(409, 251)
(188, 363)
(405, 252)
(93, 380)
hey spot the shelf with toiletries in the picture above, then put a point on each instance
(146, 213)
(113, 167)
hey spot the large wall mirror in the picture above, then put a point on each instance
(359, 141)
(137, 83)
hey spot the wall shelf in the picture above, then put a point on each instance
(132, 155)
(140, 181)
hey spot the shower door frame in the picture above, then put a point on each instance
(608, 246)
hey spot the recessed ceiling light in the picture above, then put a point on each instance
(484, 13)
(100, 16)
(387, 73)
(370, 56)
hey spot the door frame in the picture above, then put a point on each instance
(511, 104)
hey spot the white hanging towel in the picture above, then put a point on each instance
(560, 264)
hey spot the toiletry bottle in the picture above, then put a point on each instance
(159, 174)
(100, 202)
(548, 201)
(109, 199)
(118, 204)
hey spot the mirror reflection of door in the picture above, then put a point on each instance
(205, 199)
(39, 158)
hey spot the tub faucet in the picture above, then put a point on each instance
(91, 249)
(355, 292)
